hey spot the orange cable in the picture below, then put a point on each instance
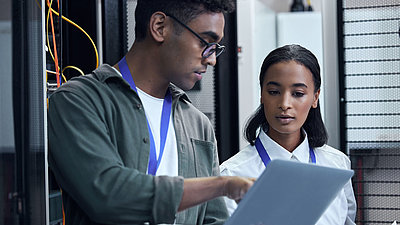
(58, 79)
(55, 46)
(62, 204)
(80, 28)
(62, 207)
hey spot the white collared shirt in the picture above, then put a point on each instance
(248, 163)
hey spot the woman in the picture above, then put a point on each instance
(288, 125)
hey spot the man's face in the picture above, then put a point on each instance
(185, 64)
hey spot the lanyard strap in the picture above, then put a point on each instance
(265, 157)
(165, 116)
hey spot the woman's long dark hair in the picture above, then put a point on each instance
(314, 126)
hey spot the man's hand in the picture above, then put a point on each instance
(236, 187)
(199, 190)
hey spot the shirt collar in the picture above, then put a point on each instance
(276, 151)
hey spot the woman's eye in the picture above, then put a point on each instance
(273, 92)
(298, 94)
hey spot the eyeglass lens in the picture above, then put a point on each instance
(211, 49)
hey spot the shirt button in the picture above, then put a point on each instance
(145, 140)
(139, 106)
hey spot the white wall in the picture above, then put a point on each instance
(305, 29)
(329, 32)
(256, 37)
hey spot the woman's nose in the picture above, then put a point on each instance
(285, 102)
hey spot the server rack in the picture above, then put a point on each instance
(369, 76)
(23, 176)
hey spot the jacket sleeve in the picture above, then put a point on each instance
(216, 212)
(87, 166)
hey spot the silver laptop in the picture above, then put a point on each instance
(290, 193)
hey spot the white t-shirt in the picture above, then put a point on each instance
(153, 109)
(248, 163)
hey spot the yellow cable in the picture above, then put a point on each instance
(62, 72)
(59, 82)
(73, 67)
(48, 42)
(69, 21)
(47, 31)
(65, 79)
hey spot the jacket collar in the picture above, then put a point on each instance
(105, 72)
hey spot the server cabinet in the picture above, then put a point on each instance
(369, 59)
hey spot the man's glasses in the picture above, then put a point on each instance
(210, 49)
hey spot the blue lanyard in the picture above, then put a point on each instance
(165, 115)
(265, 157)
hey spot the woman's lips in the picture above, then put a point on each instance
(285, 119)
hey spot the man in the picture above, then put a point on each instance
(122, 138)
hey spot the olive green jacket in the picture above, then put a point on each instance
(99, 150)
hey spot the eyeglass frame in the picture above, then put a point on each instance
(221, 48)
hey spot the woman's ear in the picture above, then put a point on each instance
(316, 97)
(157, 26)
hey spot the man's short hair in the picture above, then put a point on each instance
(184, 10)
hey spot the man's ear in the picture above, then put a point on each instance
(157, 26)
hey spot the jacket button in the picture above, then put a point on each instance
(139, 106)
(145, 140)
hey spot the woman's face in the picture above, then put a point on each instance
(287, 95)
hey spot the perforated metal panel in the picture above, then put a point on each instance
(369, 46)
(204, 97)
